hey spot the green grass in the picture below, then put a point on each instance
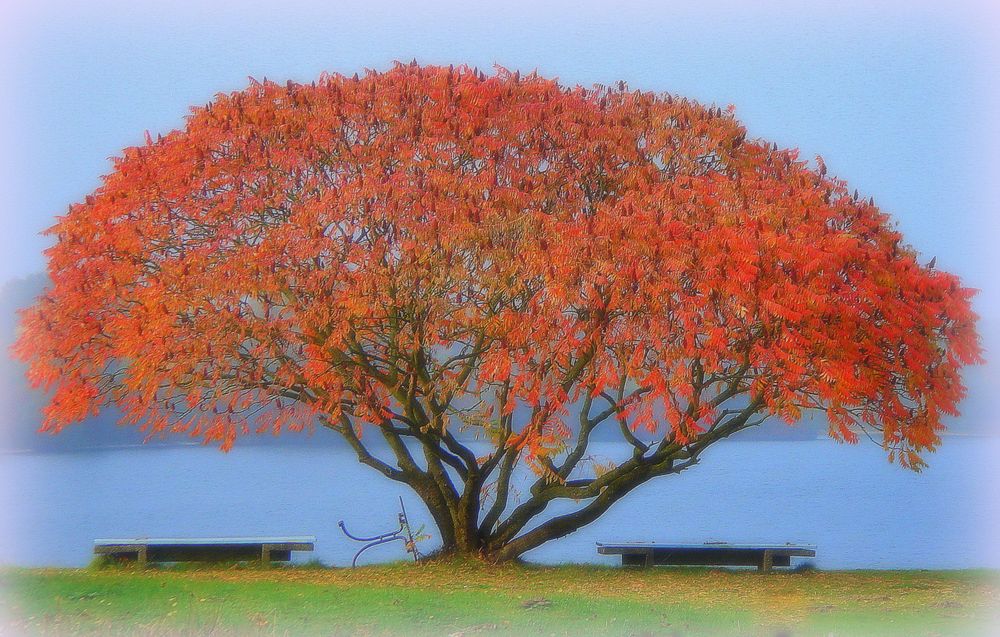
(462, 598)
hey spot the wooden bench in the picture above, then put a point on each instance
(204, 549)
(763, 556)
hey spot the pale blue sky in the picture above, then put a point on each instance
(898, 100)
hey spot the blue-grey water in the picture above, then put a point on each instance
(860, 511)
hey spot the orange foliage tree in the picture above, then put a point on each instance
(429, 254)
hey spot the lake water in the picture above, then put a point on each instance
(860, 511)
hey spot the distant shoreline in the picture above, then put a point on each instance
(159, 445)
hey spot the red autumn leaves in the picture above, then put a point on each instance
(500, 244)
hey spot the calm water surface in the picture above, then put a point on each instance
(860, 511)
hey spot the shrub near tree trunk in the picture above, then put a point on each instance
(416, 256)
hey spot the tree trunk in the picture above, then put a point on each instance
(458, 531)
(450, 485)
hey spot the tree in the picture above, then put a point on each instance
(428, 253)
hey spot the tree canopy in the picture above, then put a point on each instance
(425, 251)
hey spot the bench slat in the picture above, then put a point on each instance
(302, 539)
(265, 549)
(763, 556)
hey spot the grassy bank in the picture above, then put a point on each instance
(472, 599)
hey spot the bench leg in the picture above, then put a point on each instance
(265, 555)
(766, 562)
(141, 557)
